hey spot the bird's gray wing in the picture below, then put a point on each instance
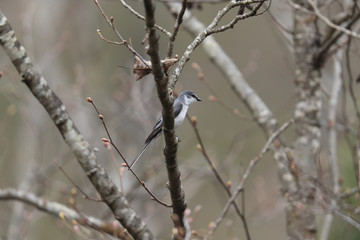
(177, 109)
(159, 124)
(157, 130)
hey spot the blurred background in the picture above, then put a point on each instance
(62, 41)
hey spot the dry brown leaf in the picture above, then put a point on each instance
(169, 62)
(140, 69)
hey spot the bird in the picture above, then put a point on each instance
(180, 105)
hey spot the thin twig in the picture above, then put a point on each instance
(331, 24)
(330, 198)
(251, 166)
(107, 40)
(346, 218)
(331, 40)
(119, 170)
(101, 117)
(204, 33)
(77, 186)
(138, 15)
(218, 177)
(349, 193)
(329, 206)
(178, 22)
(110, 21)
(232, 23)
(194, 1)
(238, 84)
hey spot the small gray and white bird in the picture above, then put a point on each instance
(181, 105)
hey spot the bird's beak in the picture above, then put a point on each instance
(198, 99)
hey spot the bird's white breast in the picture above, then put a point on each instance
(180, 118)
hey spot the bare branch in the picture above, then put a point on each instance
(240, 17)
(178, 22)
(262, 114)
(63, 212)
(86, 196)
(81, 148)
(201, 148)
(142, 183)
(251, 166)
(333, 103)
(171, 144)
(331, 24)
(110, 21)
(203, 32)
(346, 218)
(320, 57)
(139, 16)
(107, 40)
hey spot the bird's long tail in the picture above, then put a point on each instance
(139, 155)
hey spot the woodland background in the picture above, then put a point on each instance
(62, 41)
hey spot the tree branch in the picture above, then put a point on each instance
(178, 22)
(249, 169)
(171, 144)
(203, 33)
(330, 23)
(139, 16)
(333, 103)
(302, 225)
(63, 212)
(224, 185)
(81, 148)
(262, 114)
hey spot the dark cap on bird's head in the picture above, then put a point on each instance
(189, 94)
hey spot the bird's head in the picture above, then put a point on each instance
(188, 97)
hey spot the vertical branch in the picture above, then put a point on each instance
(178, 22)
(333, 103)
(301, 220)
(171, 144)
(354, 148)
(351, 80)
